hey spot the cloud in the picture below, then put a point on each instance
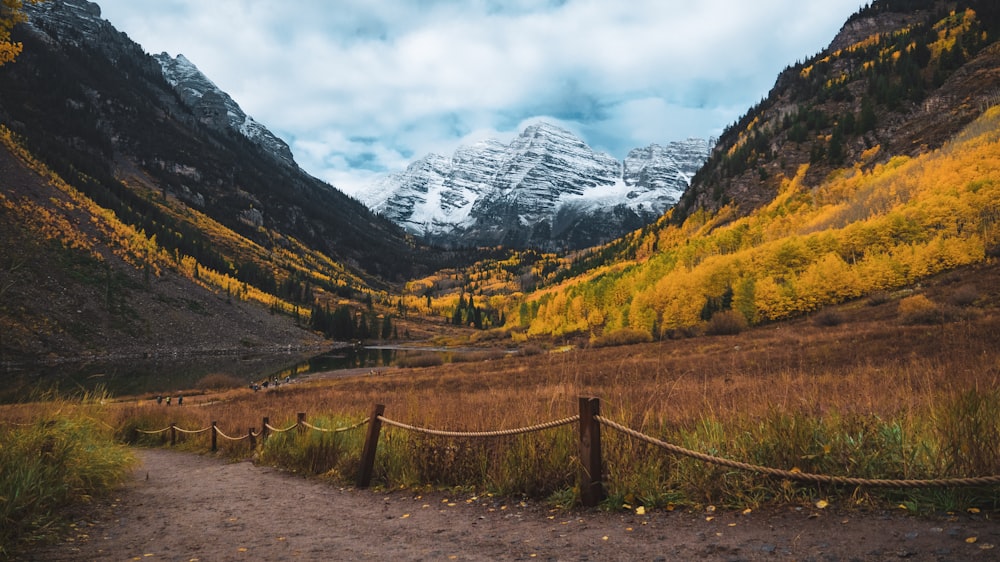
(367, 86)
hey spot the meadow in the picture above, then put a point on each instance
(875, 388)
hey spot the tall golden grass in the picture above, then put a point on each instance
(871, 395)
(53, 456)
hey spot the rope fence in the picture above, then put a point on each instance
(802, 476)
(476, 434)
(336, 430)
(591, 471)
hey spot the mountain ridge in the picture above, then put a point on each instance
(546, 188)
(895, 76)
(215, 107)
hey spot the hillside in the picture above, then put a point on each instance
(70, 285)
(803, 204)
(901, 78)
(178, 210)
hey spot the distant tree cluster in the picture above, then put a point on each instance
(346, 323)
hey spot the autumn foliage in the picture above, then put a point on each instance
(862, 231)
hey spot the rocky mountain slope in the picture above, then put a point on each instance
(150, 215)
(900, 78)
(215, 107)
(546, 189)
(98, 110)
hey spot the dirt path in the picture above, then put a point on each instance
(186, 507)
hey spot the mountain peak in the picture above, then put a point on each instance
(546, 189)
(217, 108)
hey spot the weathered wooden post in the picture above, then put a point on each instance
(591, 486)
(253, 439)
(215, 437)
(264, 429)
(173, 433)
(298, 422)
(371, 443)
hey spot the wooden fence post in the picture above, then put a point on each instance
(173, 433)
(215, 437)
(264, 430)
(591, 485)
(371, 443)
(298, 422)
(253, 439)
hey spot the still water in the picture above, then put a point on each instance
(136, 377)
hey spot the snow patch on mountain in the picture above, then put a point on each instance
(536, 190)
(215, 107)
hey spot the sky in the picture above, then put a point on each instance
(361, 88)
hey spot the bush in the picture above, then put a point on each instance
(625, 336)
(828, 318)
(918, 309)
(219, 381)
(726, 323)
(476, 356)
(966, 295)
(879, 298)
(530, 349)
(418, 360)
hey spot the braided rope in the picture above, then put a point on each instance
(153, 432)
(337, 430)
(224, 436)
(498, 433)
(195, 431)
(802, 476)
(276, 430)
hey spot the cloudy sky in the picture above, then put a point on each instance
(360, 88)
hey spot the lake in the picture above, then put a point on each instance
(164, 376)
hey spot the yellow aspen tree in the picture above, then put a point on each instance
(11, 14)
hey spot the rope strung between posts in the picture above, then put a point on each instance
(224, 436)
(498, 433)
(336, 430)
(195, 431)
(153, 432)
(289, 428)
(802, 476)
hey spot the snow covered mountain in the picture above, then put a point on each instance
(215, 107)
(546, 189)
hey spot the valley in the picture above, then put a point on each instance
(816, 290)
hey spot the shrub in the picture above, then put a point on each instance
(879, 298)
(918, 309)
(625, 336)
(530, 349)
(828, 318)
(966, 295)
(219, 381)
(726, 323)
(475, 356)
(418, 360)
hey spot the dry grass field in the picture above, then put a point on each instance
(903, 385)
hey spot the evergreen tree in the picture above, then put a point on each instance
(867, 119)
(386, 327)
